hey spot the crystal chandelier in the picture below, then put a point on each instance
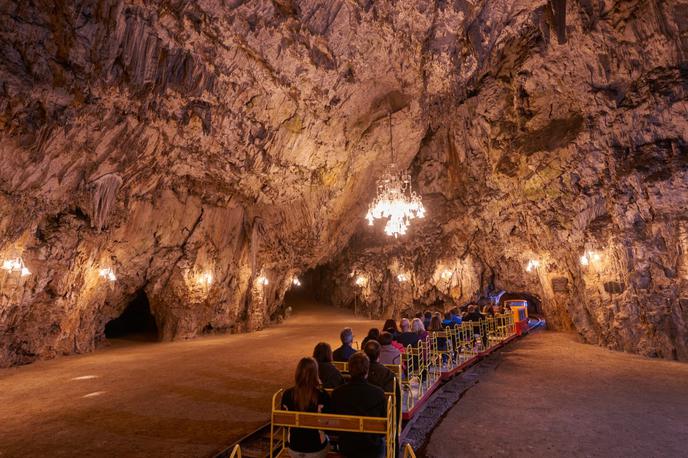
(395, 200)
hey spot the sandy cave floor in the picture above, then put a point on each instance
(553, 396)
(135, 399)
(549, 396)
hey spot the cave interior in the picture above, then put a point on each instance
(169, 169)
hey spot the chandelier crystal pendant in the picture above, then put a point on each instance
(395, 200)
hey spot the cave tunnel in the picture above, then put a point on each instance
(135, 323)
(312, 291)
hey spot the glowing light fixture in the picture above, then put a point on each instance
(107, 273)
(446, 274)
(296, 281)
(590, 257)
(402, 278)
(395, 200)
(533, 264)
(206, 278)
(361, 280)
(262, 281)
(16, 265)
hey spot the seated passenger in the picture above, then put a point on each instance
(389, 354)
(358, 397)
(407, 337)
(473, 314)
(344, 352)
(378, 374)
(391, 327)
(448, 321)
(488, 311)
(427, 317)
(456, 318)
(373, 334)
(306, 396)
(329, 375)
(418, 328)
(436, 326)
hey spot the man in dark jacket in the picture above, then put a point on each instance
(380, 376)
(358, 397)
(344, 352)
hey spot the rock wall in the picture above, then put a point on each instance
(200, 148)
(551, 149)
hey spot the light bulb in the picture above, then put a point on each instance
(107, 273)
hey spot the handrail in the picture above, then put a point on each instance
(236, 452)
(389, 432)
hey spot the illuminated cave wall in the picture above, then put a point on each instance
(550, 151)
(172, 140)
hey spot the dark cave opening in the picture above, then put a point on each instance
(311, 289)
(135, 323)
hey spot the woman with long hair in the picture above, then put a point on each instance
(329, 375)
(418, 327)
(373, 334)
(391, 327)
(306, 396)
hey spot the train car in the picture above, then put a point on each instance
(519, 308)
(423, 369)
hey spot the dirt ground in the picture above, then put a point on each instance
(159, 399)
(553, 396)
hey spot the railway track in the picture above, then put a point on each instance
(253, 445)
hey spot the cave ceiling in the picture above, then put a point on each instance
(197, 147)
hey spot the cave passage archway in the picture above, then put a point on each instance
(313, 289)
(135, 323)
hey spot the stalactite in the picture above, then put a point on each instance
(103, 194)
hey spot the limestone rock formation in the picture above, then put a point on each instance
(550, 149)
(209, 151)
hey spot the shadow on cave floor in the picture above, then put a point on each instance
(135, 325)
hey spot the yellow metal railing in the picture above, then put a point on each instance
(408, 451)
(331, 422)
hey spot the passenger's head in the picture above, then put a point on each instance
(454, 311)
(427, 315)
(418, 315)
(417, 326)
(323, 353)
(404, 325)
(385, 338)
(448, 316)
(307, 383)
(372, 350)
(347, 336)
(390, 326)
(374, 333)
(359, 364)
(435, 324)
